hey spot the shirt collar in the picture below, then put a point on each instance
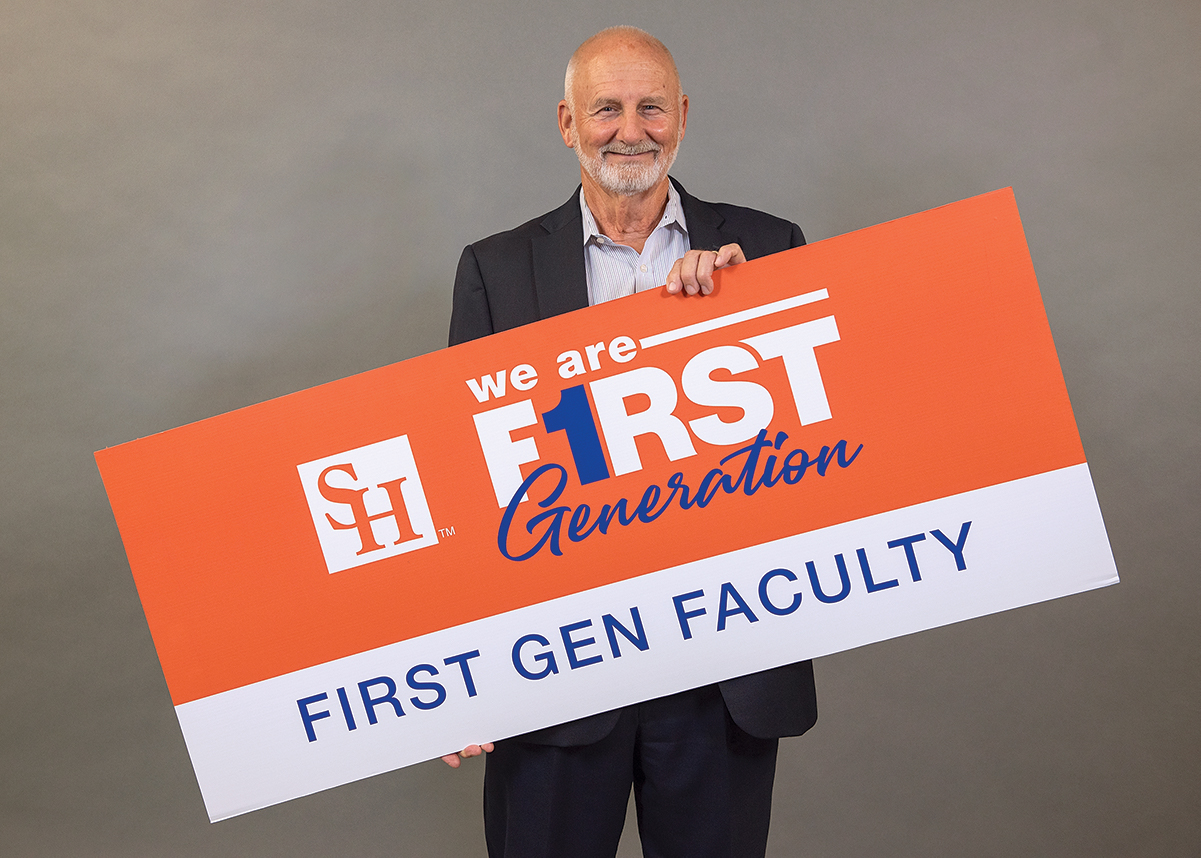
(673, 212)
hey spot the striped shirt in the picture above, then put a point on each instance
(616, 270)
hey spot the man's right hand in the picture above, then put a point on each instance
(455, 760)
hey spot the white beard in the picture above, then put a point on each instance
(625, 180)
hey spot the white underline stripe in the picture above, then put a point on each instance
(733, 318)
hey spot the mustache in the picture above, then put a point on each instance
(632, 149)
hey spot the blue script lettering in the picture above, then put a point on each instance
(756, 470)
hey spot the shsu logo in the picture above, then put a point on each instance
(368, 504)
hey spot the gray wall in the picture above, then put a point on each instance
(206, 204)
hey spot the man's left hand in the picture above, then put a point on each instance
(454, 760)
(693, 272)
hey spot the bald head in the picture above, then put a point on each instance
(620, 39)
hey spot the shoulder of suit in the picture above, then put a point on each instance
(757, 232)
(510, 239)
(730, 218)
(739, 215)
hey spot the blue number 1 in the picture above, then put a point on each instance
(573, 415)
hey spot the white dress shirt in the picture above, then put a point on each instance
(616, 270)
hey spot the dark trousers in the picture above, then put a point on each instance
(702, 787)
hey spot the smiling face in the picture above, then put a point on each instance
(625, 115)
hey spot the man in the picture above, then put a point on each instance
(701, 762)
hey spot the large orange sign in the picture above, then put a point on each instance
(870, 428)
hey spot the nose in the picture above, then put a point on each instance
(630, 129)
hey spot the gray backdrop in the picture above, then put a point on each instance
(206, 204)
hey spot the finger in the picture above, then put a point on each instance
(688, 272)
(729, 254)
(488, 747)
(451, 760)
(704, 272)
(674, 283)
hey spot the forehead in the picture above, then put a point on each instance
(625, 71)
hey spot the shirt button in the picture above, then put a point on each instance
(643, 267)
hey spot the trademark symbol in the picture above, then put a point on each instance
(446, 531)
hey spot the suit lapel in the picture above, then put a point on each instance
(560, 281)
(704, 222)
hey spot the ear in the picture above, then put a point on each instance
(683, 115)
(566, 121)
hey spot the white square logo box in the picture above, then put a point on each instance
(368, 504)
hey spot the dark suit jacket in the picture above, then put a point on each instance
(536, 271)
